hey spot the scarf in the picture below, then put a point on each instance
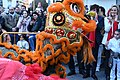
(112, 30)
(92, 38)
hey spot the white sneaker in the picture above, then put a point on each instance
(33, 51)
(97, 69)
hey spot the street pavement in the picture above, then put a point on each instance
(77, 76)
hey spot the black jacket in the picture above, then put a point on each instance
(35, 27)
(100, 27)
(2, 22)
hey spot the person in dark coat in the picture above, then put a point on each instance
(34, 26)
(97, 41)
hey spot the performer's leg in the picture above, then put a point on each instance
(107, 68)
(100, 50)
(80, 63)
(94, 64)
(118, 69)
(87, 71)
(71, 66)
(32, 43)
(112, 73)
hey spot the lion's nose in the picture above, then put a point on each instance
(58, 19)
(55, 7)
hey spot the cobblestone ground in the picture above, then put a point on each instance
(77, 76)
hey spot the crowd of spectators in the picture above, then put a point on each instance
(20, 19)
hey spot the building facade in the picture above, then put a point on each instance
(9, 3)
(105, 3)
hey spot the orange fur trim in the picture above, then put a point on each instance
(87, 52)
(26, 59)
(90, 26)
(43, 65)
(8, 46)
(11, 54)
(75, 47)
(55, 7)
(22, 51)
(86, 27)
(61, 71)
(64, 58)
(0, 53)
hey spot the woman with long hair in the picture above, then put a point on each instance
(111, 25)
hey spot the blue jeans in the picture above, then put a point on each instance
(32, 41)
(14, 38)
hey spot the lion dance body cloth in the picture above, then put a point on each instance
(64, 35)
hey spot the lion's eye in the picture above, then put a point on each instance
(74, 7)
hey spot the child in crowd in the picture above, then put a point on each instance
(111, 25)
(114, 47)
(22, 43)
(6, 38)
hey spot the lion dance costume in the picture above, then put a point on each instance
(64, 34)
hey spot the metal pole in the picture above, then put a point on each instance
(15, 33)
